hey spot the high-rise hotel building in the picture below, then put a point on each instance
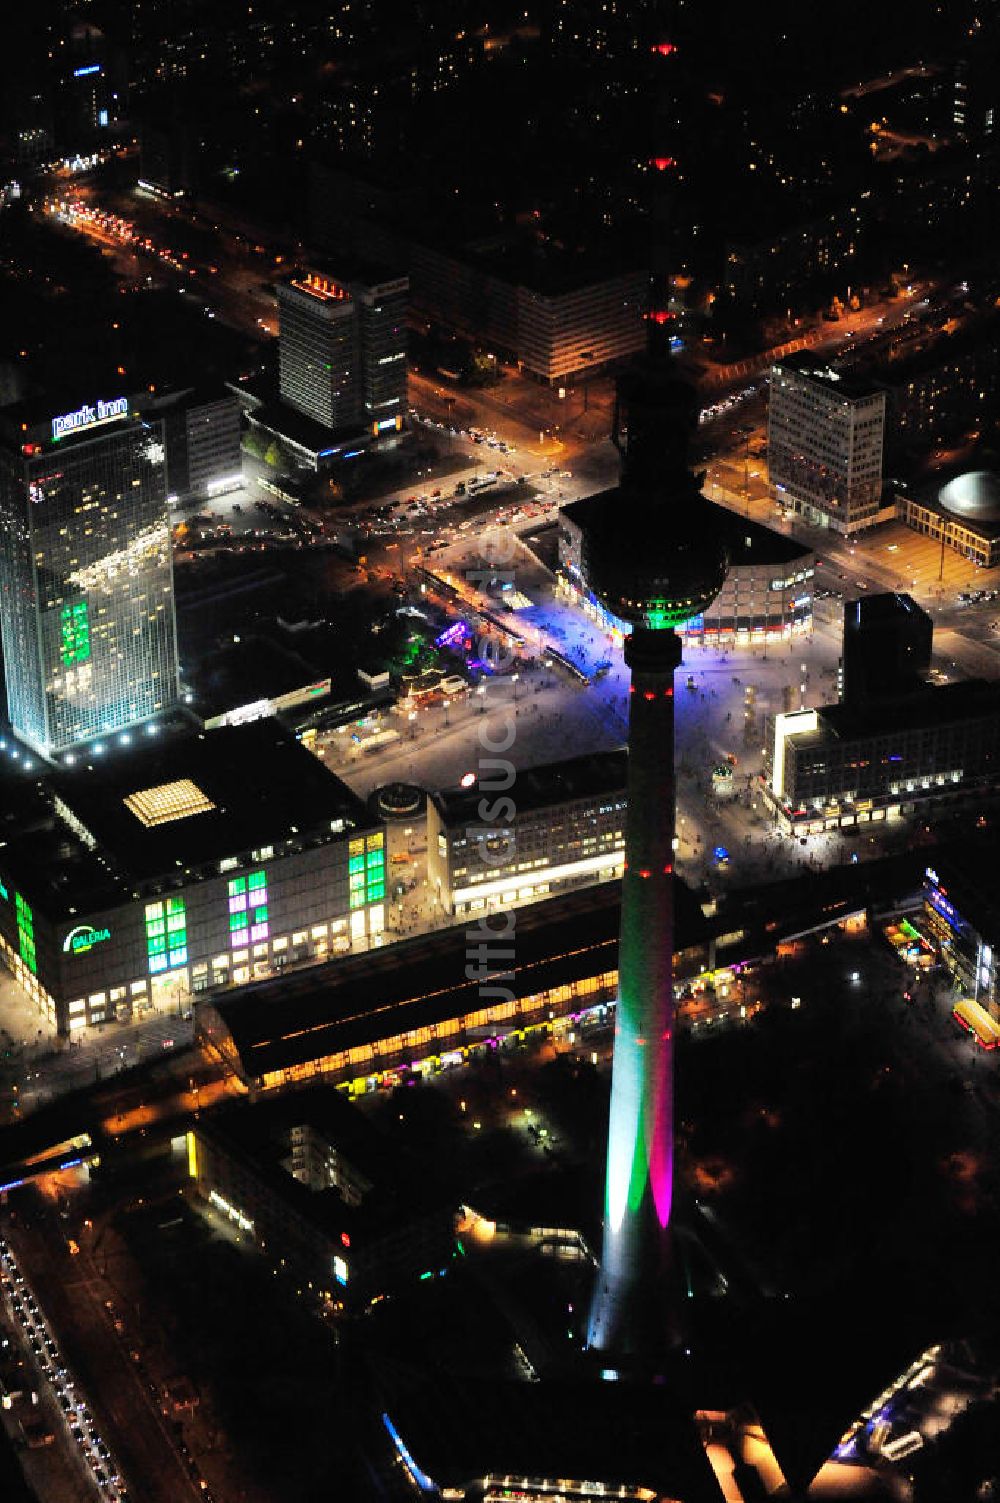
(342, 350)
(86, 581)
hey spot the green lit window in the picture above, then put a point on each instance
(358, 899)
(166, 935)
(356, 864)
(375, 867)
(74, 633)
(26, 933)
(248, 910)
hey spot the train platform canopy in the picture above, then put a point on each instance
(363, 999)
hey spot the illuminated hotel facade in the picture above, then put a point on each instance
(137, 881)
(86, 574)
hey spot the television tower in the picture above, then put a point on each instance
(651, 559)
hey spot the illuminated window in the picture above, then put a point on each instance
(374, 870)
(248, 913)
(74, 632)
(167, 802)
(26, 933)
(166, 935)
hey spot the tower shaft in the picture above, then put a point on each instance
(630, 1316)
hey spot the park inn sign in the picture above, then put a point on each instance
(89, 416)
(84, 937)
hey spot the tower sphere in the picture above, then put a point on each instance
(652, 560)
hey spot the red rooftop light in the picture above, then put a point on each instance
(663, 48)
(662, 163)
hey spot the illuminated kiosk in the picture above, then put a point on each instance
(652, 561)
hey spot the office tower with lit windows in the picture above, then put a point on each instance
(342, 350)
(87, 604)
(825, 445)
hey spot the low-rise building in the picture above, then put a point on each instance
(560, 826)
(963, 915)
(963, 515)
(321, 1194)
(149, 873)
(767, 593)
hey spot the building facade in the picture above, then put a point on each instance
(562, 828)
(767, 593)
(552, 329)
(318, 352)
(87, 607)
(202, 435)
(845, 765)
(310, 1182)
(825, 443)
(963, 515)
(963, 917)
(136, 882)
(342, 350)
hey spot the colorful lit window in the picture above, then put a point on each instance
(166, 935)
(26, 933)
(374, 868)
(248, 913)
(74, 633)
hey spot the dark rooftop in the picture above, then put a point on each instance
(252, 669)
(261, 787)
(851, 388)
(358, 1000)
(537, 787)
(938, 704)
(259, 1134)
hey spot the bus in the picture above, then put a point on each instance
(974, 1018)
